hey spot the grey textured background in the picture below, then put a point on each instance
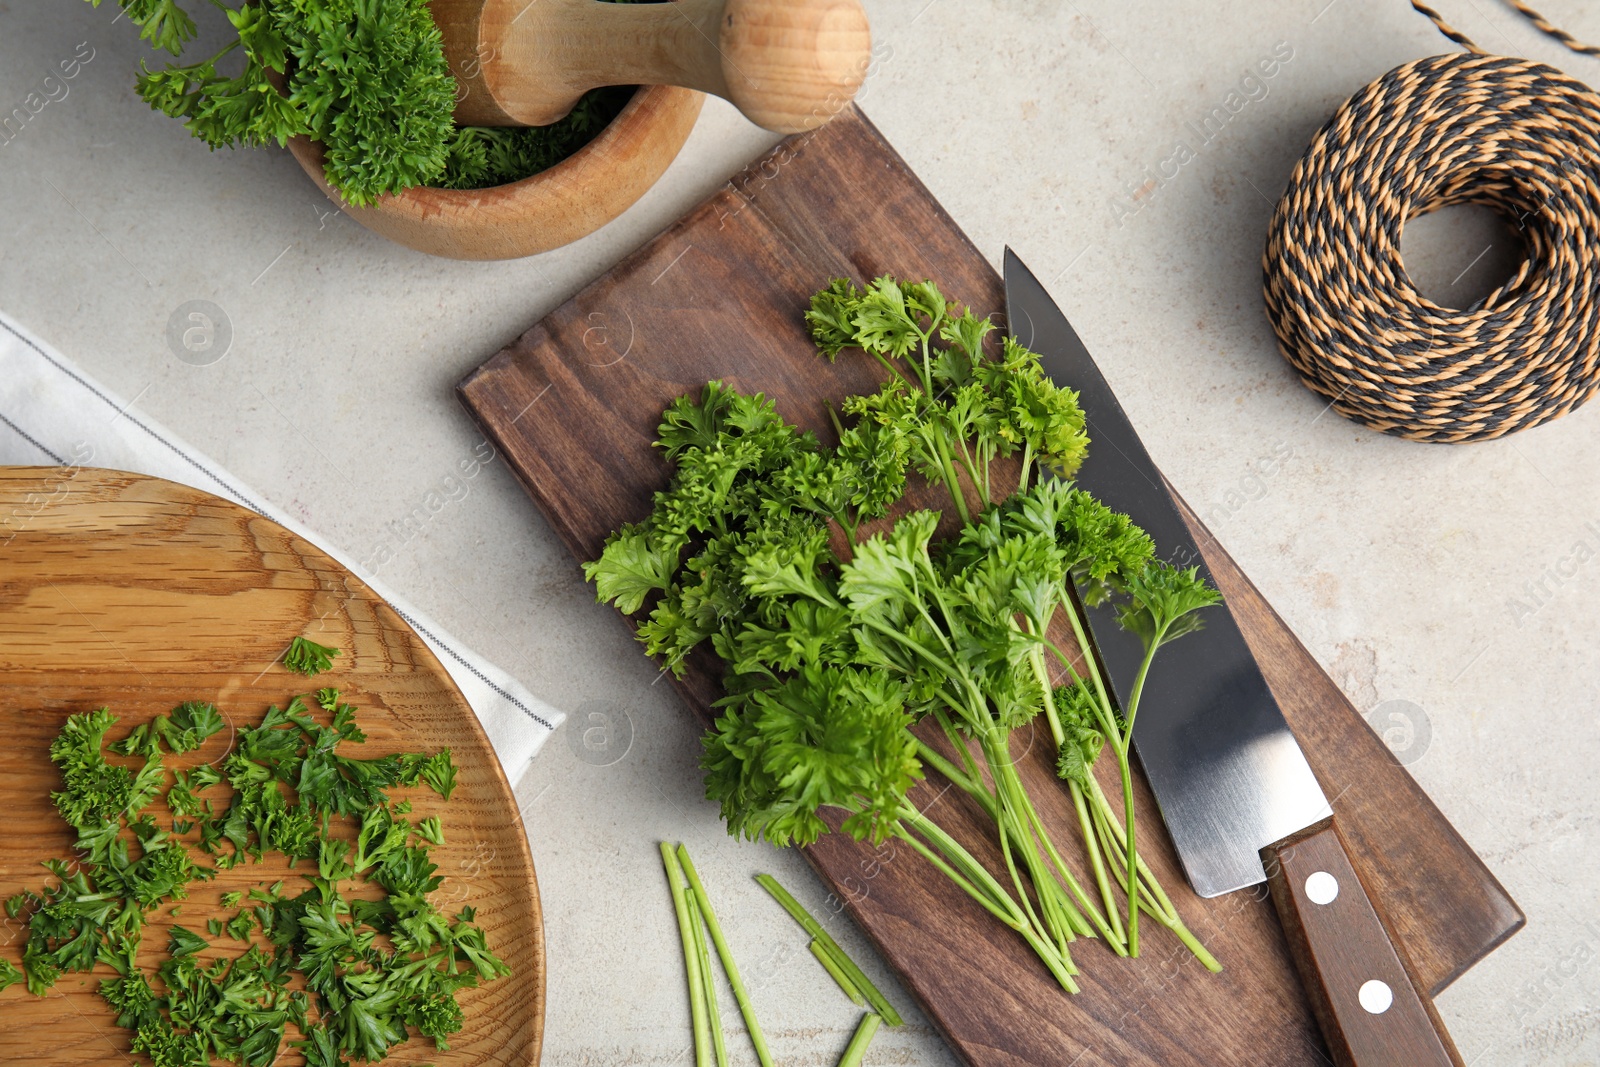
(1034, 121)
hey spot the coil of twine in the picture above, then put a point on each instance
(1516, 136)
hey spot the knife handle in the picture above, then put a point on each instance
(1363, 989)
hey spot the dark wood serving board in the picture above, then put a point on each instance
(573, 405)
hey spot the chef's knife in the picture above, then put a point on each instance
(1237, 795)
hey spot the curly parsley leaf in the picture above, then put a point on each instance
(1163, 603)
(307, 657)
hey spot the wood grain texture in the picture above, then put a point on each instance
(135, 593)
(1341, 943)
(573, 405)
(546, 210)
(788, 65)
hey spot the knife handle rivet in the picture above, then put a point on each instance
(1375, 996)
(1322, 888)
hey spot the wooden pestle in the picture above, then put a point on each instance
(788, 65)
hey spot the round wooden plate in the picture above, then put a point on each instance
(137, 593)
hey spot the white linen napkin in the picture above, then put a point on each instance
(51, 412)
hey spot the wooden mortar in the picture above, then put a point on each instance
(547, 210)
(788, 65)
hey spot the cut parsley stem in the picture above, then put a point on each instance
(682, 901)
(856, 1050)
(832, 967)
(858, 978)
(719, 1042)
(729, 967)
(832, 655)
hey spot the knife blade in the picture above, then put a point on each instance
(1239, 800)
(1224, 793)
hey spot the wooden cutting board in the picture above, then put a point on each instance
(136, 593)
(573, 405)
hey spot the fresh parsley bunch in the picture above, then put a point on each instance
(366, 78)
(371, 968)
(839, 631)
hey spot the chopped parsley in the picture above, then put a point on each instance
(372, 970)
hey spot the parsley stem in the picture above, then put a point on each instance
(1016, 878)
(970, 867)
(1091, 845)
(1161, 910)
(1051, 715)
(1138, 681)
(1004, 768)
(697, 990)
(1014, 808)
(1115, 934)
(984, 795)
(1058, 929)
(1193, 944)
(1004, 915)
(1126, 774)
(952, 482)
(729, 967)
(922, 609)
(1015, 799)
(1103, 709)
(1057, 962)
(1112, 930)
(894, 371)
(858, 978)
(840, 978)
(1076, 923)
(1085, 646)
(856, 1051)
(980, 482)
(1121, 750)
(833, 417)
(1115, 837)
(927, 361)
(226, 49)
(1114, 840)
(1112, 934)
(719, 1042)
(1164, 911)
(935, 759)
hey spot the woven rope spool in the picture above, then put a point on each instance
(1518, 137)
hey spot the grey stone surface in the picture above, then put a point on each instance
(1036, 123)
